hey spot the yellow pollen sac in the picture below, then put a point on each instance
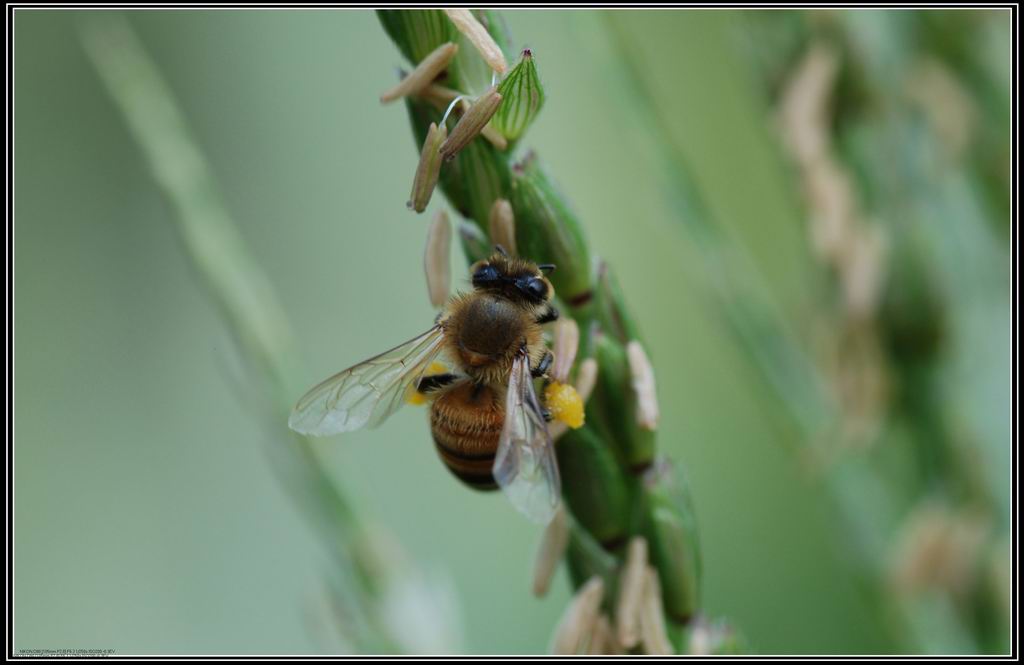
(565, 404)
(436, 367)
(415, 397)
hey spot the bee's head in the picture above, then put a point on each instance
(517, 279)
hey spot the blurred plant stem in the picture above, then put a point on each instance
(244, 295)
(615, 485)
(870, 171)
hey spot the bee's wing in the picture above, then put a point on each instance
(367, 393)
(525, 466)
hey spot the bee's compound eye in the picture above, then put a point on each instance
(484, 275)
(536, 288)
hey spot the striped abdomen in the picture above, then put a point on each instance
(466, 423)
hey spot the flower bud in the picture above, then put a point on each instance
(471, 123)
(523, 96)
(428, 170)
(424, 73)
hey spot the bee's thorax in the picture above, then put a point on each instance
(486, 331)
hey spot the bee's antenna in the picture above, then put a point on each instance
(546, 267)
(501, 250)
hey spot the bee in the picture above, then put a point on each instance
(476, 367)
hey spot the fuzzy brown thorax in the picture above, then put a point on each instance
(487, 327)
(485, 332)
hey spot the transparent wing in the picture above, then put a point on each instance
(525, 466)
(367, 393)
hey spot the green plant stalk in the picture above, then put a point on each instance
(600, 469)
(246, 300)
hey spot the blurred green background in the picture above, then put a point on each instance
(148, 518)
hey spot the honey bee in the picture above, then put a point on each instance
(476, 367)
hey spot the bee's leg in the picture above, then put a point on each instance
(429, 384)
(542, 367)
(551, 314)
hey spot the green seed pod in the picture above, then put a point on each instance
(523, 94)
(594, 486)
(614, 403)
(611, 306)
(548, 232)
(585, 558)
(417, 32)
(671, 531)
(483, 176)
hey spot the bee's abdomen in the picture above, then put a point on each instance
(466, 423)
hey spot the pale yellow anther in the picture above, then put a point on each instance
(425, 72)
(629, 607)
(578, 620)
(653, 635)
(473, 121)
(598, 642)
(586, 378)
(478, 36)
(436, 259)
(643, 384)
(564, 348)
(501, 225)
(549, 554)
(428, 170)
